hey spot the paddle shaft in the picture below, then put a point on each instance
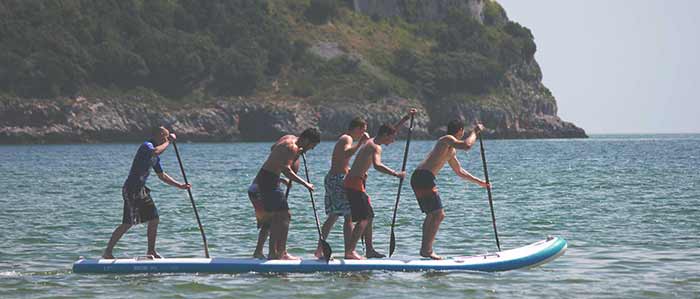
(392, 241)
(326, 246)
(488, 189)
(194, 207)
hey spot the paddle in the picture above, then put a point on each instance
(189, 191)
(392, 240)
(327, 251)
(488, 189)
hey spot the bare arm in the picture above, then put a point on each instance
(457, 168)
(400, 123)
(459, 144)
(377, 162)
(161, 148)
(288, 172)
(172, 182)
(295, 169)
(348, 148)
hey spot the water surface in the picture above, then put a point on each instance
(628, 205)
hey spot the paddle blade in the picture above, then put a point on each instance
(392, 243)
(327, 251)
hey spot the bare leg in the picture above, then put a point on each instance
(357, 232)
(116, 235)
(262, 237)
(275, 229)
(151, 233)
(325, 230)
(430, 229)
(347, 232)
(371, 253)
(282, 249)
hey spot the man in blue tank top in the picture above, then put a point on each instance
(138, 204)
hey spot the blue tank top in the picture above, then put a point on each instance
(143, 161)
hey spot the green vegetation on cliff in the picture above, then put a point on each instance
(185, 49)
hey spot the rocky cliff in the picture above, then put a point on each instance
(531, 112)
(520, 106)
(129, 119)
(89, 120)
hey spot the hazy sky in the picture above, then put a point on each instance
(618, 66)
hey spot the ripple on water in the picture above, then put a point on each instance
(627, 205)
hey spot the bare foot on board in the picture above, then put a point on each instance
(374, 255)
(287, 256)
(431, 255)
(353, 256)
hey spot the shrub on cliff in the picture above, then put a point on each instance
(494, 14)
(321, 11)
(523, 38)
(117, 65)
(52, 48)
(466, 72)
(462, 33)
(239, 72)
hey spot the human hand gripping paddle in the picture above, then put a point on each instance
(392, 240)
(327, 251)
(189, 191)
(488, 189)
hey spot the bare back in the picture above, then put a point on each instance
(364, 159)
(283, 153)
(441, 153)
(340, 161)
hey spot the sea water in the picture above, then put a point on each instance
(629, 206)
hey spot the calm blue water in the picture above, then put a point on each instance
(628, 205)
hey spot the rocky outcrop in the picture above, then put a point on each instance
(420, 10)
(530, 112)
(83, 120)
(522, 108)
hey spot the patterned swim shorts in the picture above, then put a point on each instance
(335, 199)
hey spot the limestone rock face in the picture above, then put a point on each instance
(92, 120)
(117, 120)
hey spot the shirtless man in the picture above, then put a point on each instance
(336, 202)
(284, 153)
(261, 216)
(370, 154)
(423, 180)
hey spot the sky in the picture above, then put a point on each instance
(618, 66)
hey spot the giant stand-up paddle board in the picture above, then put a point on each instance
(528, 256)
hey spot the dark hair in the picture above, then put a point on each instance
(357, 122)
(454, 126)
(386, 130)
(155, 130)
(312, 135)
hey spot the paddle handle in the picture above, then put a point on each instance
(392, 241)
(313, 202)
(488, 190)
(194, 207)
